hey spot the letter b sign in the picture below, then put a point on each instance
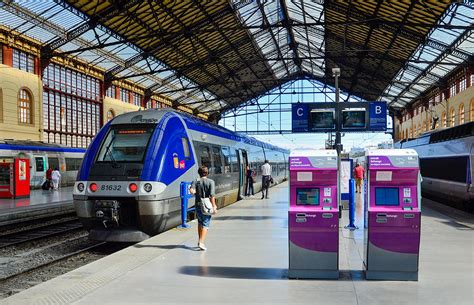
(378, 109)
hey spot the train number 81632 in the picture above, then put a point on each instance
(110, 187)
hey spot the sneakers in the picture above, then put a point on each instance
(202, 246)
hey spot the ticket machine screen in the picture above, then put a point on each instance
(307, 196)
(386, 196)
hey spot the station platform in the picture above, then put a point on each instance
(40, 204)
(247, 263)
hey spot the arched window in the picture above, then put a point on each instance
(472, 110)
(452, 117)
(461, 114)
(25, 107)
(110, 114)
(443, 119)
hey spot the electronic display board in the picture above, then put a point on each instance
(321, 119)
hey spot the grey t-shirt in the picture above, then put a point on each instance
(204, 187)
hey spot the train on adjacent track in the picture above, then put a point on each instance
(446, 164)
(42, 156)
(128, 187)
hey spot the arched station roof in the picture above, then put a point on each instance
(215, 56)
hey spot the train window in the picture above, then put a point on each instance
(217, 159)
(39, 164)
(187, 153)
(53, 163)
(235, 161)
(125, 144)
(73, 164)
(226, 155)
(205, 156)
(436, 168)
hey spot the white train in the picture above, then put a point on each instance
(42, 156)
(446, 163)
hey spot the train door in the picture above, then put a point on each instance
(243, 162)
(38, 172)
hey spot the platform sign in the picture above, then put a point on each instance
(353, 117)
(377, 116)
(299, 117)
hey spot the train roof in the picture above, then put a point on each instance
(36, 145)
(445, 134)
(153, 116)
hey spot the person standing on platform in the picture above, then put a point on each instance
(203, 188)
(266, 176)
(49, 179)
(55, 176)
(250, 177)
(359, 172)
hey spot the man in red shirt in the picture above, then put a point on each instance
(359, 175)
(49, 177)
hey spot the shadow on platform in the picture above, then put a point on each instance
(253, 273)
(168, 247)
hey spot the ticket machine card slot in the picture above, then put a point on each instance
(381, 220)
(327, 208)
(408, 208)
(381, 214)
(300, 214)
(300, 219)
(409, 216)
(328, 215)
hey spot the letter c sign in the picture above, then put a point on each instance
(299, 112)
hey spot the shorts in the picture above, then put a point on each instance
(203, 220)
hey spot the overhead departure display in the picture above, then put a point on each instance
(349, 116)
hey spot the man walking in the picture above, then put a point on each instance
(359, 175)
(266, 175)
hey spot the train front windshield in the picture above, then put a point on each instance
(125, 144)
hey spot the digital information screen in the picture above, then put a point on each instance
(307, 196)
(321, 119)
(353, 119)
(386, 196)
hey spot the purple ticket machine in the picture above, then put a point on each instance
(313, 222)
(393, 215)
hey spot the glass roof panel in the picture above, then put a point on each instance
(458, 14)
(46, 20)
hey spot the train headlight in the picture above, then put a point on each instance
(80, 187)
(133, 187)
(93, 187)
(147, 187)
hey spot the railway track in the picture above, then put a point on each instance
(53, 254)
(39, 232)
(44, 249)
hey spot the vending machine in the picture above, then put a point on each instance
(393, 208)
(313, 222)
(14, 178)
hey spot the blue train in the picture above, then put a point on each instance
(128, 186)
(42, 156)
